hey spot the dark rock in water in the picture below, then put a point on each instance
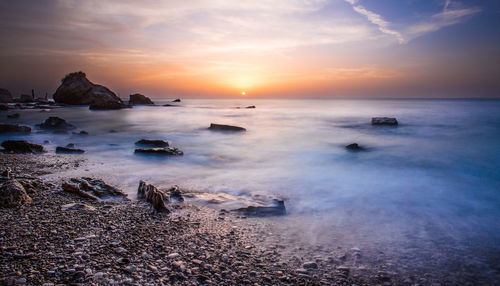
(70, 145)
(83, 132)
(278, 208)
(384, 121)
(251, 106)
(152, 143)
(14, 115)
(66, 150)
(4, 106)
(10, 128)
(21, 146)
(13, 194)
(175, 193)
(160, 151)
(5, 96)
(176, 100)
(94, 189)
(171, 105)
(139, 99)
(56, 123)
(222, 127)
(76, 89)
(26, 98)
(354, 147)
(154, 196)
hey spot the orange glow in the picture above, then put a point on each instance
(243, 93)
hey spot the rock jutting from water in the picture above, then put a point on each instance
(354, 147)
(21, 146)
(223, 127)
(13, 115)
(157, 143)
(94, 189)
(176, 100)
(11, 128)
(76, 89)
(68, 150)
(138, 98)
(56, 123)
(157, 198)
(384, 121)
(168, 151)
(276, 209)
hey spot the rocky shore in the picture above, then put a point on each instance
(62, 238)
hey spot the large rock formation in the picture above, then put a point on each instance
(5, 96)
(139, 99)
(21, 146)
(157, 198)
(222, 127)
(11, 128)
(12, 194)
(76, 89)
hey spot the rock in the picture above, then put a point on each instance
(354, 147)
(384, 121)
(172, 105)
(121, 250)
(13, 115)
(139, 99)
(152, 143)
(70, 145)
(310, 265)
(222, 127)
(25, 98)
(154, 196)
(94, 189)
(55, 123)
(83, 132)
(251, 106)
(5, 96)
(21, 146)
(10, 128)
(278, 208)
(176, 100)
(160, 151)
(67, 150)
(173, 255)
(77, 207)
(76, 89)
(12, 194)
(4, 106)
(175, 193)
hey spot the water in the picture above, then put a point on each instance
(431, 183)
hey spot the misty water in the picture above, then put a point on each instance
(426, 191)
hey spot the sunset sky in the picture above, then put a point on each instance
(278, 48)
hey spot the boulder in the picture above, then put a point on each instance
(26, 98)
(11, 128)
(76, 89)
(354, 147)
(169, 151)
(154, 196)
(276, 209)
(13, 115)
(139, 99)
(12, 194)
(152, 143)
(21, 146)
(5, 96)
(94, 189)
(176, 100)
(384, 121)
(222, 127)
(55, 123)
(68, 150)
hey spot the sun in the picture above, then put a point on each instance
(243, 93)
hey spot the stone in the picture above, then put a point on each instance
(139, 99)
(11, 128)
(13, 194)
(310, 265)
(175, 193)
(83, 132)
(154, 196)
(76, 89)
(152, 143)
(276, 209)
(5, 96)
(222, 127)
(21, 146)
(354, 147)
(160, 151)
(4, 106)
(77, 207)
(94, 189)
(176, 100)
(250, 107)
(66, 150)
(384, 121)
(55, 123)
(13, 115)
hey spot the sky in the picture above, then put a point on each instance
(267, 48)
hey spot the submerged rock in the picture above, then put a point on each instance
(222, 127)
(5, 96)
(13, 194)
(76, 89)
(56, 123)
(278, 208)
(384, 121)
(68, 150)
(83, 132)
(250, 107)
(21, 146)
(170, 151)
(10, 128)
(154, 196)
(152, 143)
(94, 189)
(175, 193)
(139, 99)
(176, 100)
(13, 115)
(354, 147)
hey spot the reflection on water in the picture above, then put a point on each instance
(435, 175)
